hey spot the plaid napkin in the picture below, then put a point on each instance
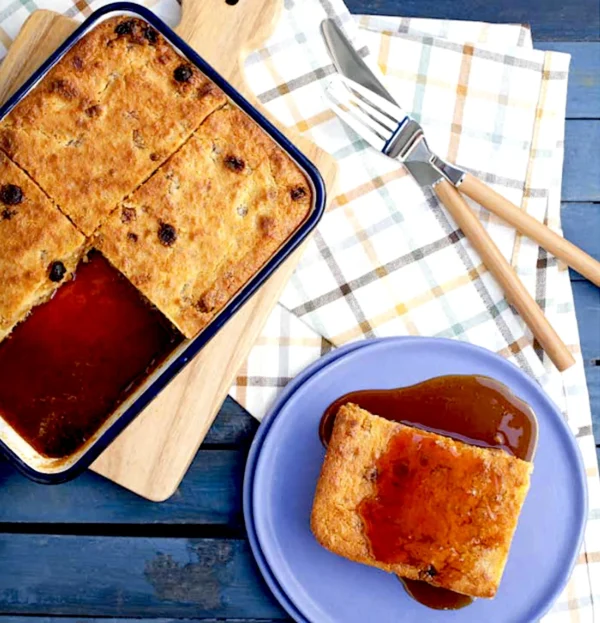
(387, 259)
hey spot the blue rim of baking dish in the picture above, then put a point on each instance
(197, 343)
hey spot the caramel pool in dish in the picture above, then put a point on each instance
(126, 147)
(66, 368)
(435, 498)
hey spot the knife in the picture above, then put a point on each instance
(348, 62)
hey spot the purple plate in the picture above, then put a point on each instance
(325, 588)
(250, 469)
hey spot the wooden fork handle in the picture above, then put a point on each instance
(515, 291)
(564, 250)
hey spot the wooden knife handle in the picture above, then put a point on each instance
(564, 250)
(497, 264)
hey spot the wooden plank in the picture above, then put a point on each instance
(592, 374)
(583, 98)
(234, 426)
(581, 225)
(550, 19)
(581, 171)
(132, 577)
(211, 494)
(587, 309)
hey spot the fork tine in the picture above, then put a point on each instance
(381, 131)
(373, 139)
(372, 112)
(394, 112)
(353, 101)
(359, 122)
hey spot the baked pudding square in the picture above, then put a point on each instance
(192, 235)
(39, 246)
(461, 503)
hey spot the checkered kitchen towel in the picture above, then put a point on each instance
(387, 259)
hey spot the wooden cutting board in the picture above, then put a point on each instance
(153, 454)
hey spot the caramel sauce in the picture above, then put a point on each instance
(474, 409)
(66, 368)
(434, 596)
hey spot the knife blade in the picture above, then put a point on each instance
(348, 61)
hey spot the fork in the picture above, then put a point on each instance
(391, 131)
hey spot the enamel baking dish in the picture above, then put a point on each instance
(51, 470)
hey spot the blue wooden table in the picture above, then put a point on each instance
(90, 549)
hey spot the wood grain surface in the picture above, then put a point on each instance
(577, 20)
(152, 455)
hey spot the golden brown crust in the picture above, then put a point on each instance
(33, 235)
(479, 493)
(106, 116)
(207, 220)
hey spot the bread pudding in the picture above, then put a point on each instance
(127, 148)
(418, 504)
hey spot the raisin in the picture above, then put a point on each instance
(128, 215)
(11, 195)
(372, 474)
(183, 73)
(205, 304)
(7, 141)
(138, 140)
(64, 88)
(235, 164)
(298, 193)
(133, 237)
(431, 571)
(401, 470)
(150, 34)
(268, 226)
(57, 271)
(7, 214)
(155, 157)
(125, 28)
(167, 234)
(93, 111)
(77, 62)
